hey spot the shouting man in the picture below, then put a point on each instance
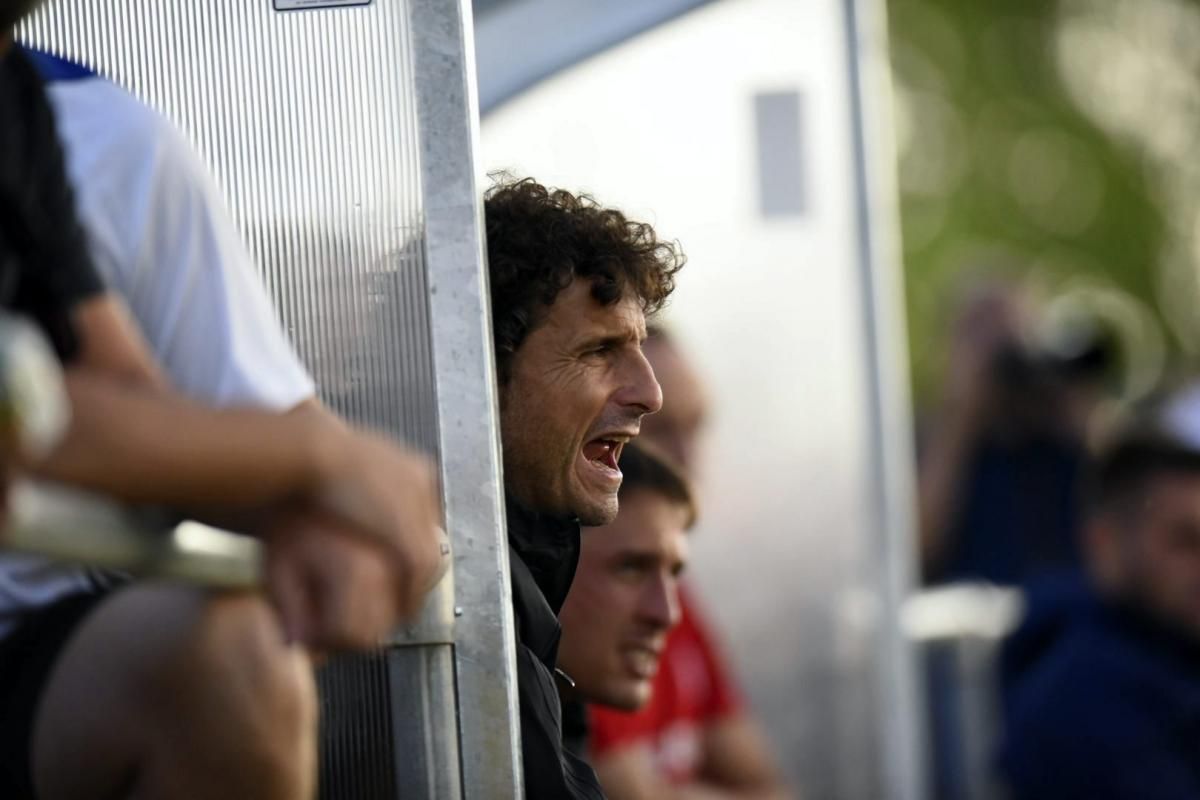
(572, 284)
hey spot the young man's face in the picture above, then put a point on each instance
(624, 601)
(578, 389)
(1156, 559)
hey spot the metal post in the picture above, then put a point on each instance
(902, 728)
(447, 104)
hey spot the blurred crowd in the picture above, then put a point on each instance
(1036, 473)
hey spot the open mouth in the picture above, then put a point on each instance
(604, 452)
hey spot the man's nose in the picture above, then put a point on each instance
(639, 386)
(659, 605)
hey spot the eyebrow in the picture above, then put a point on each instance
(648, 559)
(607, 340)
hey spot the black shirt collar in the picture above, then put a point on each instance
(548, 545)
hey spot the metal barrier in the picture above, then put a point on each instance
(70, 525)
(958, 630)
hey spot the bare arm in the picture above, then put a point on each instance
(989, 323)
(630, 774)
(146, 446)
(736, 765)
(957, 427)
(133, 437)
(111, 342)
(737, 758)
(940, 476)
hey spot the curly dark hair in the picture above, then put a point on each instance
(539, 240)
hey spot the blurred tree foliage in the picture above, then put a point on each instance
(1003, 170)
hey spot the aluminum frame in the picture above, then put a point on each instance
(469, 437)
(902, 737)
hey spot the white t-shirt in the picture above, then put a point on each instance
(161, 238)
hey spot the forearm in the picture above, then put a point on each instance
(154, 447)
(754, 779)
(737, 761)
(710, 791)
(940, 479)
(630, 774)
(656, 789)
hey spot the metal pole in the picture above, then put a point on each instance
(460, 313)
(902, 728)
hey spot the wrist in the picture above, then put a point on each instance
(326, 450)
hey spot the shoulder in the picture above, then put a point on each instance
(88, 103)
(1091, 664)
(116, 144)
(1077, 712)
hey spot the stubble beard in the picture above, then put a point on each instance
(599, 513)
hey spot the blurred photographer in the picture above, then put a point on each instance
(1107, 711)
(1001, 458)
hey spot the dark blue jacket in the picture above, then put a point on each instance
(1019, 512)
(1111, 713)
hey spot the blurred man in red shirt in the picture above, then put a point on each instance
(695, 737)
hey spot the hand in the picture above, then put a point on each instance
(969, 383)
(389, 495)
(333, 588)
(989, 323)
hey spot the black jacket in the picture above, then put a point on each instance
(543, 554)
(46, 269)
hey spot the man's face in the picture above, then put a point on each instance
(578, 389)
(1156, 559)
(624, 600)
(675, 429)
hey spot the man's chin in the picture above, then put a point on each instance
(627, 697)
(595, 513)
(596, 510)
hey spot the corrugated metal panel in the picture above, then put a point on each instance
(308, 119)
(356, 729)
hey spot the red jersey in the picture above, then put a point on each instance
(692, 689)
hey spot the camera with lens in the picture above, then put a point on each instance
(1081, 352)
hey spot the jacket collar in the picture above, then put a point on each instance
(543, 554)
(1172, 643)
(549, 546)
